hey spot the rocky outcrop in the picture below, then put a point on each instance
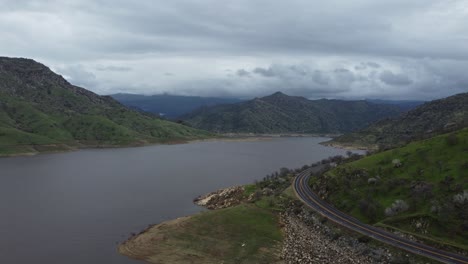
(310, 239)
(311, 244)
(222, 198)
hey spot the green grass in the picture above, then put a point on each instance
(424, 163)
(249, 189)
(40, 111)
(240, 234)
(29, 127)
(289, 192)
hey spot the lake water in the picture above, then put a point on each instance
(75, 207)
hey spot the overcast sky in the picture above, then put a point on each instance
(396, 49)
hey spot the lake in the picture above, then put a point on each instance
(76, 207)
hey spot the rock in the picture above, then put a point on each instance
(397, 163)
(313, 243)
(372, 181)
(222, 198)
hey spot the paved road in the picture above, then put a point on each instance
(305, 193)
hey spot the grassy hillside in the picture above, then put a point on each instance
(40, 111)
(240, 234)
(421, 188)
(280, 113)
(430, 119)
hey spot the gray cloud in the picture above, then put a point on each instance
(390, 78)
(320, 78)
(242, 73)
(291, 46)
(113, 68)
(366, 65)
(264, 72)
(78, 75)
(373, 64)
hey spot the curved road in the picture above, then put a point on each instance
(305, 193)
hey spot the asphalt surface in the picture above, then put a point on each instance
(306, 195)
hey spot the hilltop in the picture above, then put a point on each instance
(41, 111)
(427, 120)
(280, 113)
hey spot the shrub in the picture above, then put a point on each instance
(461, 198)
(396, 163)
(397, 207)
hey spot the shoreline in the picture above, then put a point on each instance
(305, 237)
(63, 148)
(346, 147)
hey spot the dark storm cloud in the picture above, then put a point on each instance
(288, 45)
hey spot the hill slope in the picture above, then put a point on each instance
(40, 110)
(170, 106)
(429, 119)
(421, 188)
(280, 113)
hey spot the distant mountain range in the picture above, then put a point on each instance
(175, 106)
(427, 120)
(280, 113)
(41, 111)
(404, 105)
(169, 106)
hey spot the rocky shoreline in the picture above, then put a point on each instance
(309, 239)
(307, 236)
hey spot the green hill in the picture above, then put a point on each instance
(421, 188)
(430, 119)
(280, 113)
(41, 111)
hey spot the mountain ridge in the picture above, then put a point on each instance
(425, 121)
(41, 111)
(281, 113)
(167, 105)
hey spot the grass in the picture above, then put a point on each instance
(249, 189)
(432, 172)
(289, 192)
(240, 234)
(65, 118)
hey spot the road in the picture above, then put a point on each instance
(306, 195)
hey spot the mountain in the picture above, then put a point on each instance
(420, 189)
(427, 120)
(169, 106)
(280, 113)
(404, 105)
(40, 110)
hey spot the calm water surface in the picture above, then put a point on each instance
(75, 207)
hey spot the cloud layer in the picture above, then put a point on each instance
(354, 49)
